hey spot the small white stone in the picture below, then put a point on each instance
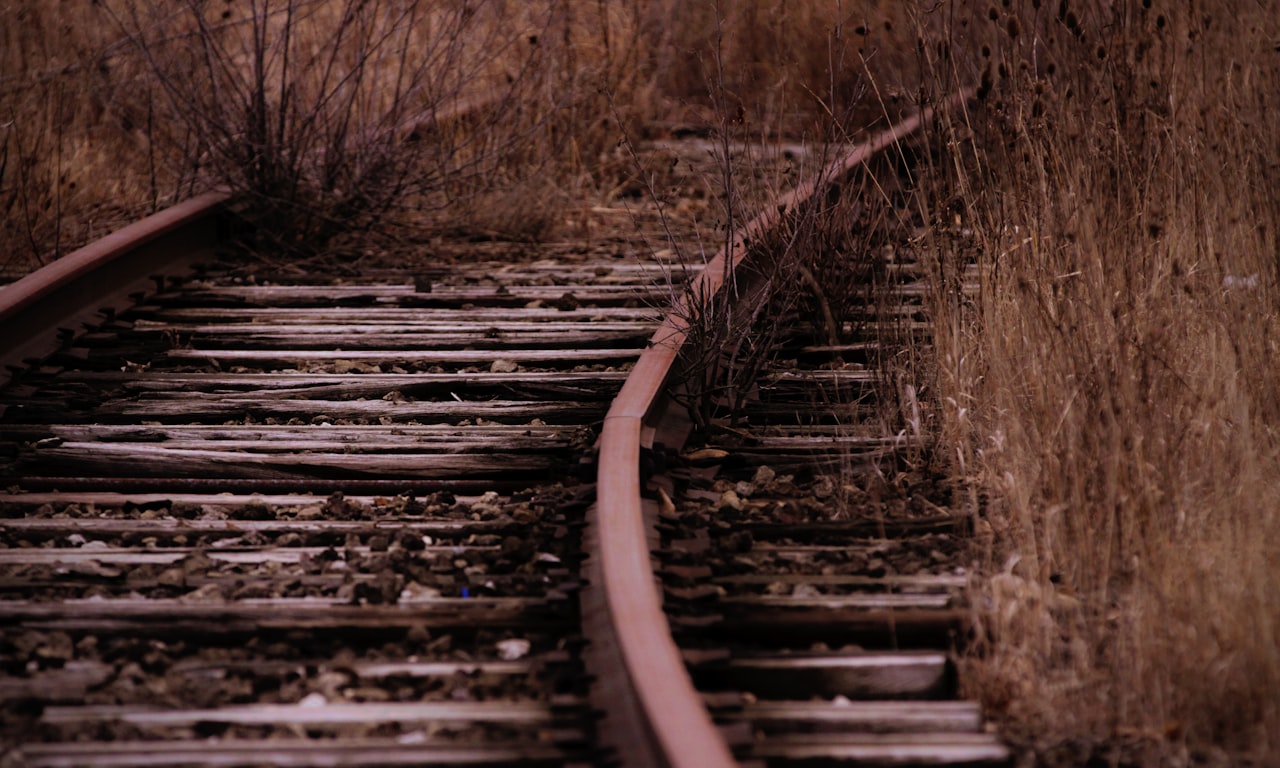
(513, 648)
(414, 591)
(313, 700)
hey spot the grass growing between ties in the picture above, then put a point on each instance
(1111, 390)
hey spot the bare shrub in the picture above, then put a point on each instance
(321, 115)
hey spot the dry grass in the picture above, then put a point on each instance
(74, 154)
(323, 116)
(1112, 388)
(96, 130)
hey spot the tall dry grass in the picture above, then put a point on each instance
(305, 108)
(1111, 391)
(74, 154)
(109, 110)
(770, 60)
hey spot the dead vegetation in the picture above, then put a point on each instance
(74, 159)
(111, 110)
(1111, 388)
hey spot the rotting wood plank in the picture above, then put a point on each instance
(888, 582)
(866, 601)
(567, 296)
(822, 442)
(813, 430)
(906, 749)
(292, 485)
(36, 527)
(233, 555)
(340, 315)
(819, 376)
(320, 293)
(110, 499)
(149, 460)
(343, 433)
(98, 576)
(527, 384)
(373, 670)
(305, 337)
(319, 444)
(336, 713)
(423, 357)
(841, 461)
(853, 716)
(223, 617)
(242, 753)
(588, 271)
(359, 325)
(784, 548)
(195, 406)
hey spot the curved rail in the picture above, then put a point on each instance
(623, 614)
(102, 274)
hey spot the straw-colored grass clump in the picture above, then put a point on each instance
(1112, 388)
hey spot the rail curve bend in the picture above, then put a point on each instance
(667, 723)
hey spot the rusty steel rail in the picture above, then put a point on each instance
(634, 654)
(103, 274)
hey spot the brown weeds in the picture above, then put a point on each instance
(73, 155)
(1113, 386)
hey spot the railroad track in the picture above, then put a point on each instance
(262, 517)
(256, 516)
